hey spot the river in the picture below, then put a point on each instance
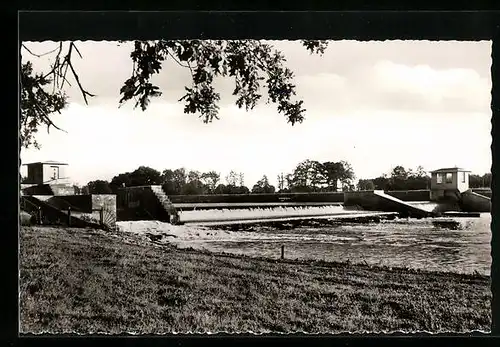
(409, 243)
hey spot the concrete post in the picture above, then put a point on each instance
(282, 252)
(40, 220)
(69, 215)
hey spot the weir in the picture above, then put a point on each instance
(150, 202)
(136, 203)
(262, 213)
(48, 192)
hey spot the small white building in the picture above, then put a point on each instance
(47, 172)
(448, 182)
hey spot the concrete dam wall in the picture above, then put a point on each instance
(137, 203)
(474, 202)
(150, 202)
(93, 208)
(378, 200)
(411, 195)
(324, 197)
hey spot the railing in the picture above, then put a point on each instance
(24, 201)
(67, 204)
(40, 217)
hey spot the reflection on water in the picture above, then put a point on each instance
(401, 243)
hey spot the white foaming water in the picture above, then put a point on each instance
(416, 243)
(259, 213)
(425, 205)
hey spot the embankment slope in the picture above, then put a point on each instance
(86, 280)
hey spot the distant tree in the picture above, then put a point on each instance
(173, 181)
(193, 176)
(486, 180)
(289, 182)
(234, 184)
(229, 189)
(418, 179)
(239, 190)
(263, 186)
(403, 179)
(317, 178)
(193, 188)
(399, 177)
(420, 171)
(311, 175)
(301, 189)
(85, 190)
(180, 178)
(333, 173)
(78, 190)
(232, 178)
(221, 189)
(306, 176)
(211, 180)
(119, 181)
(346, 176)
(144, 176)
(241, 179)
(194, 185)
(99, 187)
(381, 182)
(282, 182)
(168, 185)
(477, 181)
(365, 185)
(399, 172)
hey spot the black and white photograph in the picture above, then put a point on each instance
(256, 186)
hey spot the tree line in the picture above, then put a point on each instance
(308, 176)
(401, 178)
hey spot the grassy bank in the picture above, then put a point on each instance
(83, 280)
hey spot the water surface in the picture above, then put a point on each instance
(400, 243)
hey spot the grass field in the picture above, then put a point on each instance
(84, 280)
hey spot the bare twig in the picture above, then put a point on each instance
(185, 66)
(38, 55)
(56, 63)
(177, 61)
(77, 78)
(192, 73)
(47, 119)
(76, 49)
(58, 73)
(64, 77)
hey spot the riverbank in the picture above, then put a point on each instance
(88, 281)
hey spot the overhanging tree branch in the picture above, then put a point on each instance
(246, 60)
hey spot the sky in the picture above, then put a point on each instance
(374, 104)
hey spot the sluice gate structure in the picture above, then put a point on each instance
(50, 198)
(151, 203)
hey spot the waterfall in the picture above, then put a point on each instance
(258, 213)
